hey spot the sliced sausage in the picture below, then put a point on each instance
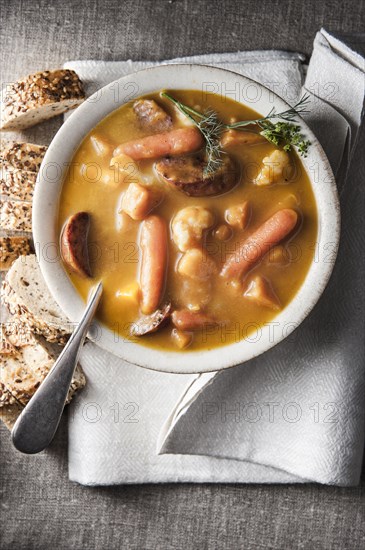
(187, 320)
(74, 249)
(150, 323)
(176, 142)
(151, 116)
(187, 174)
(253, 249)
(153, 246)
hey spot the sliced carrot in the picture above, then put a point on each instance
(154, 246)
(253, 249)
(175, 142)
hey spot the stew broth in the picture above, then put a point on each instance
(92, 185)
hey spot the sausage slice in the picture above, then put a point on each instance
(151, 116)
(150, 323)
(74, 249)
(186, 173)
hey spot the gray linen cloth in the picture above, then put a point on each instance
(294, 414)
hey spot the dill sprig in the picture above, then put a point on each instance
(285, 134)
(289, 115)
(211, 129)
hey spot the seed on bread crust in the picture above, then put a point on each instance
(16, 155)
(11, 248)
(18, 184)
(16, 216)
(26, 296)
(38, 97)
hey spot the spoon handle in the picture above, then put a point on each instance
(38, 422)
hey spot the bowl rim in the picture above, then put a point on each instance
(45, 204)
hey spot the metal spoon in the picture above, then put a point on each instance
(38, 422)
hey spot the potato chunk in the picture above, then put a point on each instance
(188, 226)
(238, 137)
(181, 339)
(138, 201)
(223, 232)
(260, 291)
(275, 168)
(239, 215)
(124, 164)
(101, 145)
(196, 264)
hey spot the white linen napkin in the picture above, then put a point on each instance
(295, 414)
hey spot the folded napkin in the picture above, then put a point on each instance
(294, 414)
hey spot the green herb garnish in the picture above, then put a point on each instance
(285, 134)
(211, 128)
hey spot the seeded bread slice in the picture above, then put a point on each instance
(26, 296)
(11, 248)
(16, 216)
(22, 373)
(18, 184)
(16, 155)
(9, 414)
(38, 97)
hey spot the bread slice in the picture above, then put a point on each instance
(9, 414)
(26, 296)
(11, 248)
(16, 155)
(18, 184)
(23, 372)
(16, 216)
(23, 366)
(38, 97)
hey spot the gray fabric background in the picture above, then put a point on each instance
(39, 507)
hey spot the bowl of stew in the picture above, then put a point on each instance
(206, 233)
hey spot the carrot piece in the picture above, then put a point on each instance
(253, 249)
(153, 245)
(175, 142)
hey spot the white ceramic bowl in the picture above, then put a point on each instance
(50, 181)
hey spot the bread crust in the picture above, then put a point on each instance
(18, 184)
(38, 97)
(18, 155)
(11, 248)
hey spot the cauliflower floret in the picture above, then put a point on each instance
(275, 168)
(189, 225)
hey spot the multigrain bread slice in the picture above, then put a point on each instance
(22, 372)
(16, 155)
(38, 97)
(11, 248)
(18, 184)
(9, 414)
(26, 296)
(16, 216)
